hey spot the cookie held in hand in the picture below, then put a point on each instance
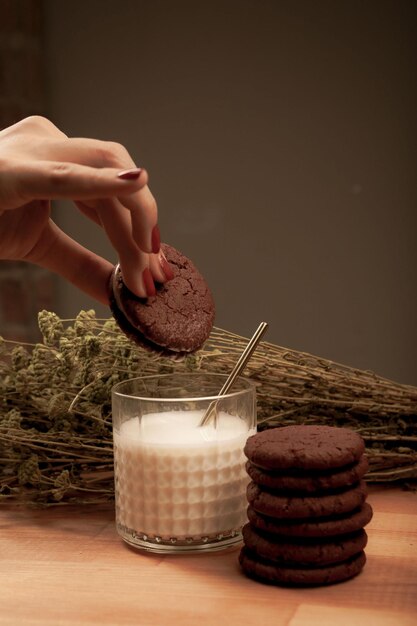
(177, 320)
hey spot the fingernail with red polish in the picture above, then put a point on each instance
(156, 239)
(130, 174)
(148, 282)
(166, 268)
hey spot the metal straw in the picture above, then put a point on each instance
(244, 358)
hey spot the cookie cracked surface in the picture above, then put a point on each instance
(174, 322)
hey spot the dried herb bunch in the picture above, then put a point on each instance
(55, 405)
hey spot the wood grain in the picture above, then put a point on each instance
(67, 567)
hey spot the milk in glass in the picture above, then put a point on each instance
(177, 480)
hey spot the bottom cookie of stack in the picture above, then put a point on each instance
(285, 574)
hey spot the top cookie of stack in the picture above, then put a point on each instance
(307, 505)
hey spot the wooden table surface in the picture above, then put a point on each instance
(67, 566)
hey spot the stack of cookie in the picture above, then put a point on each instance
(307, 508)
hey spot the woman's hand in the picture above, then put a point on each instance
(39, 163)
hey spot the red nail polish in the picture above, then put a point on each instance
(166, 268)
(130, 174)
(148, 282)
(156, 239)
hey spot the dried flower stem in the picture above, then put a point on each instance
(55, 414)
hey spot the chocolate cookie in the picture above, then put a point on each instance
(288, 507)
(304, 447)
(274, 573)
(316, 551)
(177, 320)
(315, 527)
(304, 481)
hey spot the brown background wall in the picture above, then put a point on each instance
(24, 289)
(281, 142)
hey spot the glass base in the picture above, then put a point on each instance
(176, 545)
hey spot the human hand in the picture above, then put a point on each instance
(39, 163)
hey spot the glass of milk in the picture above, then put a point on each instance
(180, 486)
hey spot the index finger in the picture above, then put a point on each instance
(54, 180)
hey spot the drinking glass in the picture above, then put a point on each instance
(180, 486)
